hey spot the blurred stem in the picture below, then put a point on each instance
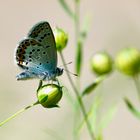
(77, 31)
(78, 98)
(136, 80)
(17, 113)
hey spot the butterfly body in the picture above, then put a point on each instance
(37, 55)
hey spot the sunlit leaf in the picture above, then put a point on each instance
(66, 8)
(92, 86)
(131, 108)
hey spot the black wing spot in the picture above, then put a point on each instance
(38, 50)
(40, 63)
(48, 34)
(45, 35)
(30, 56)
(27, 68)
(42, 37)
(19, 55)
(23, 57)
(27, 43)
(24, 46)
(30, 52)
(44, 52)
(47, 61)
(20, 50)
(30, 60)
(47, 46)
(37, 67)
(33, 50)
(26, 63)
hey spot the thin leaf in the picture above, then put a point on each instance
(107, 118)
(67, 8)
(85, 28)
(131, 108)
(92, 86)
(52, 133)
(92, 113)
(77, 1)
(79, 55)
(80, 44)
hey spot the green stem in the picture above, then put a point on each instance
(77, 30)
(17, 113)
(136, 80)
(78, 98)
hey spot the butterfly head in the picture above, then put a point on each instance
(59, 71)
(51, 75)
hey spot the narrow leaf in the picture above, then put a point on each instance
(66, 8)
(80, 44)
(107, 118)
(131, 108)
(92, 86)
(85, 28)
(92, 114)
(79, 55)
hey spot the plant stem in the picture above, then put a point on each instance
(136, 80)
(77, 31)
(78, 98)
(17, 113)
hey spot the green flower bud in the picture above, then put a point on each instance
(49, 95)
(101, 63)
(61, 39)
(128, 61)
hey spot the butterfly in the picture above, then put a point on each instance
(37, 54)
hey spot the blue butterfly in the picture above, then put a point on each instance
(37, 54)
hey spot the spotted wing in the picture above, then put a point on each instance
(33, 57)
(42, 33)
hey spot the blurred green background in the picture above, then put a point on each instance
(114, 25)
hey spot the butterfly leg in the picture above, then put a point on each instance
(25, 75)
(40, 84)
(57, 82)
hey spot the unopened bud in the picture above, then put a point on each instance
(101, 63)
(61, 39)
(49, 95)
(128, 61)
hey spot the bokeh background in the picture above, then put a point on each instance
(114, 25)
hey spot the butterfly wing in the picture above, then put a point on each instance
(33, 57)
(42, 33)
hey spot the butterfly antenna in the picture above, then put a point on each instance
(71, 72)
(66, 64)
